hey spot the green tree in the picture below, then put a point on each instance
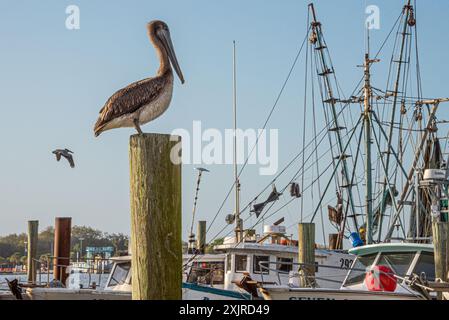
(45, 240)
(119, 241)
(15, 258)
(216, 242)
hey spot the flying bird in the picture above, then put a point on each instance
(66, 153)
(144, 100)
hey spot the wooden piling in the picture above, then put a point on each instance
(33, 230)
(201, 240)
(441, 252)
(155, 183)
(306, 253)
(63, 230)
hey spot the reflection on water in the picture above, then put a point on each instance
(75, 279)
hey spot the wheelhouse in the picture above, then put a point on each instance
(404, 259)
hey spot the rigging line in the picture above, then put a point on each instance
(359, 144)
(418, 68)
(263, 217)
(357, 187)
(399, 22)
(295, 158)
(316, 146)
(304, 116)
(264, 126)
(339, 160)
(378, 52)
(406, 12)
(276, 101)
(388, 183)
(326, 115)
(230, 190)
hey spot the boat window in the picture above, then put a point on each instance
(426, 264)
(284, 264)
(119, 275)
(209, 273)
(256, 266)
(399, 262)
(241, 263)
(358, 270)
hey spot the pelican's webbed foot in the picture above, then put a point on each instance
(137, 126)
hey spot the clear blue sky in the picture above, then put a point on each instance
(54, 81)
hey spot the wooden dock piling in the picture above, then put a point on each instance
(201, 240)
(33, 230)
(63, 230)
(306, 253)
(441, 252)
(156, 245)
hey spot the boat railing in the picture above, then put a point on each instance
(93, 266)
(410, 283)
(297, 267)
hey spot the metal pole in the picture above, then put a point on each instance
(238, 223)
(368, 173)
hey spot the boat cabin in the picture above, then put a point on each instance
(272, 263)
(402, 259)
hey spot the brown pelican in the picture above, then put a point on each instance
(144, 100)
(66, 153)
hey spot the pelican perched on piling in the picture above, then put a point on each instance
(144, 100)
(66, 153)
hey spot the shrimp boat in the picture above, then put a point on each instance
(405, 260)
(119, 286)
(406, 176)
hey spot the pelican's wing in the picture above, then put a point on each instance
(70, 159)
(129, 99)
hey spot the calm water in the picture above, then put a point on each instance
(83, 279)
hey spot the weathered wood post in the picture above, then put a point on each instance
(33, 230)
(306, 253)
(63, 230)
(441, 252)
(201, 240)
(156, 245)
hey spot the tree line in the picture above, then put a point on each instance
(13, 246)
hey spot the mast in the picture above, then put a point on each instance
(195, 202)
(238, 222)
(320, 47)
(368, 170)
(407, 9)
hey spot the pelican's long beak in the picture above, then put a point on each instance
(168, 45)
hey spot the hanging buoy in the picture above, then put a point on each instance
(381, 278)
(294, 190)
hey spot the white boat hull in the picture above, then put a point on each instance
(286, 293)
